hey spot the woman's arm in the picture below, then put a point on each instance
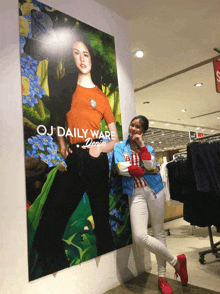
(109, 146)
(63, 148)
(124, 164)
(147, 157)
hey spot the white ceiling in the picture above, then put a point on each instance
(175, 36)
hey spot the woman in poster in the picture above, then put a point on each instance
(87, 164)
(136, 163)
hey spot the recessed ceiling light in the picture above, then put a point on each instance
(152, 122)
(218, 117)
(183, 110)
(159, 142)
(198, 85)
(152, 142)
(166, 124)
(203, 130)
(212, 131)
(177, 126)
(198, 128)
(139, 53)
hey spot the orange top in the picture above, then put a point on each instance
(89, 106)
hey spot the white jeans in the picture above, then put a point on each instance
(144, 202)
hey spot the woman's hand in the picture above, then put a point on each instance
(63, 148)
(65, 151)
(139, 139)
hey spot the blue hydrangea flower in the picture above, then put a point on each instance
(62, 161)
(47, 159)
(30, 74)
(112, 192)
(37, 90)
(123, 202)
(114, 225)
(116, 213)
(52, 144)
(30, 100)
(36, 143)
(22, 44)
(40, 5)
(53, 151)
(46, 140)
(29, 63)
(58, 158)
(31, 153)
(34, 87)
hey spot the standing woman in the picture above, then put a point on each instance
(87, 165)
(136, 163)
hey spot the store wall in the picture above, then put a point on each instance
(94, 276)
(160, 156)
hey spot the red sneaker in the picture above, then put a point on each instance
(164, 286)
(182, 272)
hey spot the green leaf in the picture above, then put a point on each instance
(88, 253)
(113, 200)
(36, 208)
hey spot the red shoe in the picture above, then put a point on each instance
(182, 272)
(164, 286)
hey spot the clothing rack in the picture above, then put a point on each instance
(179, 156)
(214, 250)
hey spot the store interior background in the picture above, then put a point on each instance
(178, 40)
(176, 37)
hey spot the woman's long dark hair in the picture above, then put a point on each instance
(67, 85)
(78, 35)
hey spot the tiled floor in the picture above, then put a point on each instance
(146, 283)
(188, 240)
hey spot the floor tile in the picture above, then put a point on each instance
(147, 284)
(203, 278)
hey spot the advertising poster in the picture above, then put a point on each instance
(71, 112)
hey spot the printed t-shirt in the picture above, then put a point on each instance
(89, 106)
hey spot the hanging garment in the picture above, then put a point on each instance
(202, 209)
(206, 166)
(165, 179)
(178, 180)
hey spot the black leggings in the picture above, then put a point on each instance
(84, 174)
